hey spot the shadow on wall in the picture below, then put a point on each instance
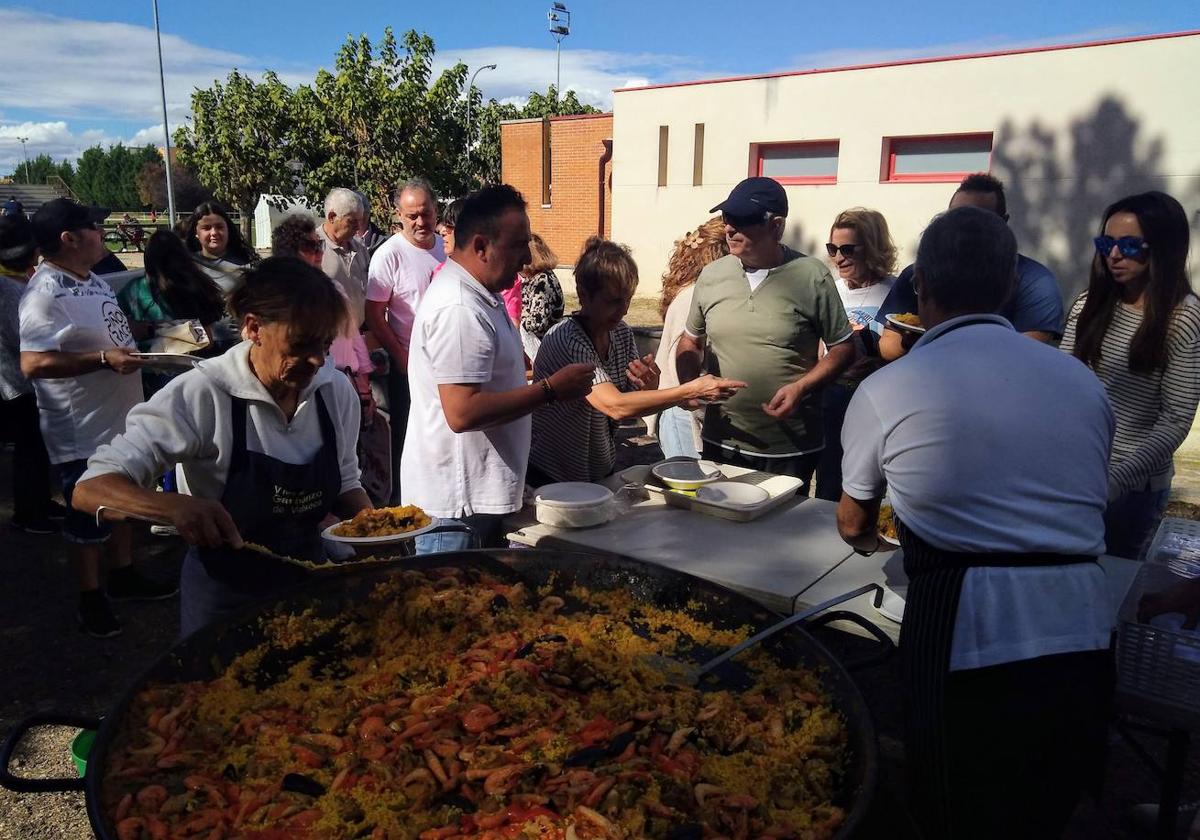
(795, 237)
(1056, 200)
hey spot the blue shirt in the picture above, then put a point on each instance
(1036, 305)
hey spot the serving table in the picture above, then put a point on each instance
(770, 559)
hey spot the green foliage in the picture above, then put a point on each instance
(486, 154)
(108, 177)
(378, 118)
(40, 168)
(152, 187)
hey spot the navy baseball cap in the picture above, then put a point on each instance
(61, 214)
(755, 196)
(16, 238)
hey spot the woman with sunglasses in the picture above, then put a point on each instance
(861, 251)
(1138, 327)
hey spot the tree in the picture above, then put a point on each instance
(241, 139)
(40, 169)
(152, 186)
(485, 156)
(109, 177)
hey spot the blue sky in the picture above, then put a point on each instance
(78, 73)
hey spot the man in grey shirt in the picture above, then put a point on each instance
(345, 259)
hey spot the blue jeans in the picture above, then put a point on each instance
(1130, 521)
(675, 433)
(488, 528)
(834, 402)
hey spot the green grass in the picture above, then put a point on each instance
(643, 312)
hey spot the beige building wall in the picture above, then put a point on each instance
(1073, 129)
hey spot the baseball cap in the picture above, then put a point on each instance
(753, 196)
(16, 238)
(62, 214)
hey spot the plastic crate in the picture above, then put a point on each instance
(1158, 665)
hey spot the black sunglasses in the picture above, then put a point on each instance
(848, 250)
(1128, 246)
(740, 222)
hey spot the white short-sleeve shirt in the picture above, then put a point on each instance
(462, 335)
(987, 441)
(399, 275)
(64, 313)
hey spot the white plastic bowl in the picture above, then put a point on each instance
(573, 504)
(732, 494)
(686, 473)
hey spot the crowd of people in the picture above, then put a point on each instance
(1017, 439)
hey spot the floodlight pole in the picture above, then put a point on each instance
(560, 27)
(470, 87)
(25, 154)
(162, 87)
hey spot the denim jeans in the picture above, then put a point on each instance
(834, 402)
(675, 433)
(488, 528)
(1130, 521)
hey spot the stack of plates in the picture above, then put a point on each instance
(574, 504)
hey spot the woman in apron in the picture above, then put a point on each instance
(264, 437)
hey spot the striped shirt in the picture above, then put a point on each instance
(1154, 411)
(571, 440)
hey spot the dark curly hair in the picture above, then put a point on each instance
(290, 234)
(287, 290)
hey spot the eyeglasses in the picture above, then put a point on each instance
(848, 250)
(313, 246)
(740, 222)
(1128, 246)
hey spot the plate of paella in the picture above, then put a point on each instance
(381, 526)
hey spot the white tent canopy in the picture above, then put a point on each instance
(273, 209)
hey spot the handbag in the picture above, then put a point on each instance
(185, 336)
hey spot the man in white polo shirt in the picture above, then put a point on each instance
(994, 454)
(469, 427)
(397, 279)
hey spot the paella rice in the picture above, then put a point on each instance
(383, 522)
(459, 706)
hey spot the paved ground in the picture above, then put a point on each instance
(48, 664)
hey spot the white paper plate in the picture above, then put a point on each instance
(385, 539)
(686, 473)
(903, 327)
(572, 494)
(732, 494)
(167, 359)
(892, 606)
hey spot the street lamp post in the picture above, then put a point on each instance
(25, 154)
(162, 87)
(470, 87)
(560, 27)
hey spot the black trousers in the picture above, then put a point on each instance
(797, 466)
(399, 402)
(31, 464)
(1024, 740)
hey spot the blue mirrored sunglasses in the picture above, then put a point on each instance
(1129, 246)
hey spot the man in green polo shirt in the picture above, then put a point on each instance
(764, 311)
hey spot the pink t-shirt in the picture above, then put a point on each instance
(512, 301)
(398, 276)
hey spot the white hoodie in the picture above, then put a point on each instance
(189, 423)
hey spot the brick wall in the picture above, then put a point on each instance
(576, 145)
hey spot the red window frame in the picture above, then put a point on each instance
(756, 159)
(889, 175)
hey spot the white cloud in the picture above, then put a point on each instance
(592, 74)
(851, 56)
(81, 68)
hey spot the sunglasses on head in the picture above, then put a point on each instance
(1128, 246)
(740, 222)
(313, 246)
(848, 250)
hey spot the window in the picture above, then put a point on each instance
(812, 162)
(546, 168)
(663, 133)
(698, 157)
(947, 158)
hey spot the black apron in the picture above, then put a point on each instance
(273, 503)
(935, 579)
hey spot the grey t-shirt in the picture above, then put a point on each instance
(12, 382)
(571, 440)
